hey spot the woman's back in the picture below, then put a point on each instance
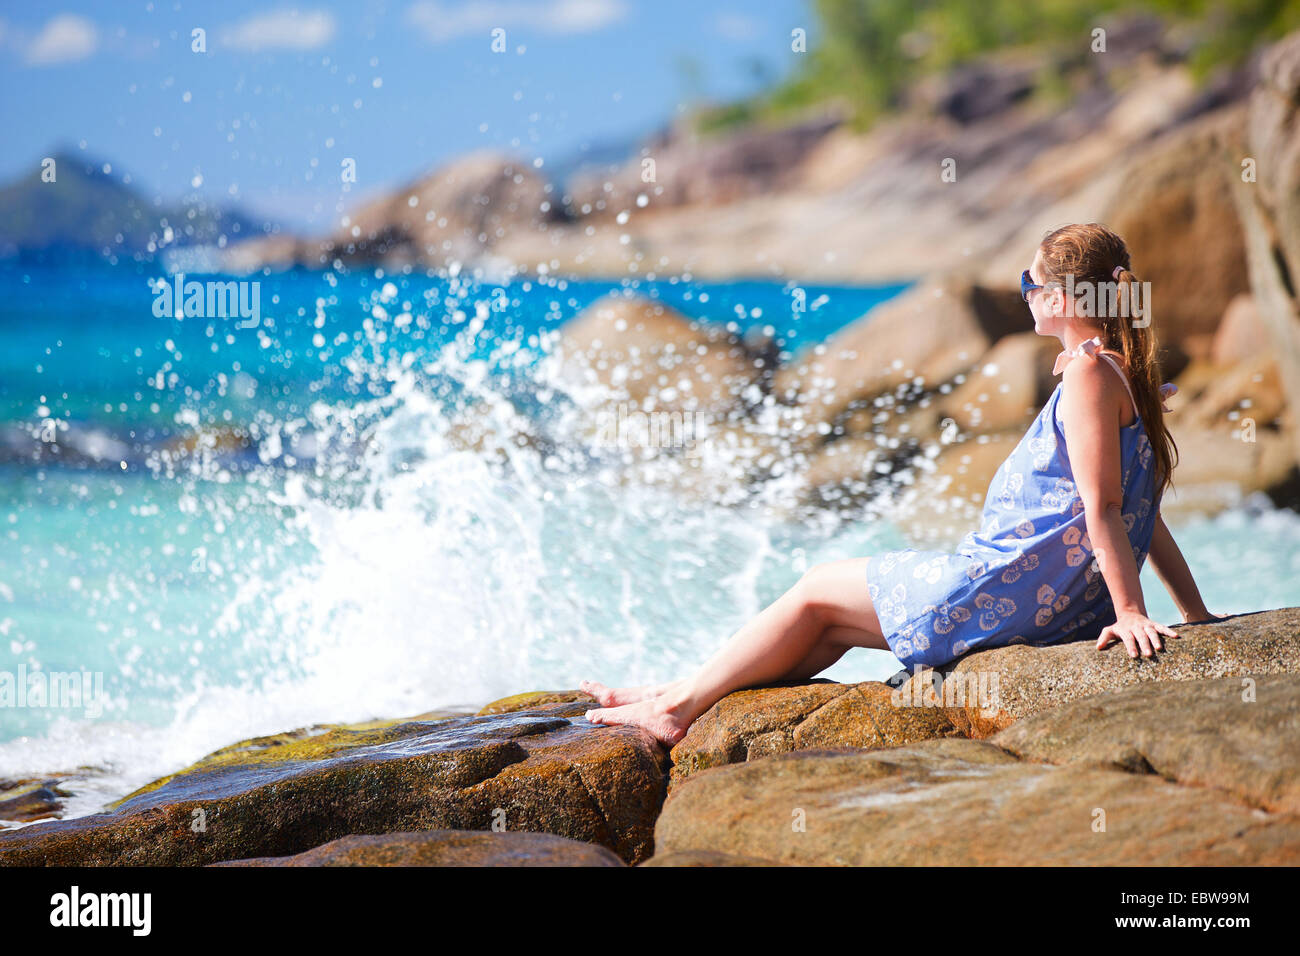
(1028, 575)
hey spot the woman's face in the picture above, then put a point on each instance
(1046, 305)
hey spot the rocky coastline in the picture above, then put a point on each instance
(1021, 755)
(1201, 180)
(1014, 756)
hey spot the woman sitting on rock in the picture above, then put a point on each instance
(1069, 518)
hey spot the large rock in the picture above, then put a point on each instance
(640, 353)
(1176, 215)
(531, 700)
(1232, 427)
(1218, 467)
(756, 723)
(1030, 680)
(1241, 335)
(959, 802)
(705, 858)
(543, 770)
(923, 338)
(1268, 204)
(23, 801)
(1005, 389)
(706, 170)
(1239, 734)
(457, 213)
(1273, 137)
(845, 471)
(446, 848)
(1249, 388)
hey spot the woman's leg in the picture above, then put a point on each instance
(786, 638)
(835, 643)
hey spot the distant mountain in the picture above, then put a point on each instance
(88, 212)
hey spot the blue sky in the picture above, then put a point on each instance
(283, 94)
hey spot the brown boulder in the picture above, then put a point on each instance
(531, 700)
(1248, 389)
(1176, 215)
(446, 848)
(1273, 138)
(1030, 680)
(844, 471)
(646, 355)
(1239, 734)
(1268, 203)
(1218, 467)
(22, 801)
(924, 337)
(543, 770)
(456, 212)
(690, 169)
(704, 858)
(760, 722)
(1241, 335)
(961, 803)
(1004, 390)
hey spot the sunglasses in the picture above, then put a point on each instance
(1027, 285)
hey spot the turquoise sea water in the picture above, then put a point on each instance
(360, 559)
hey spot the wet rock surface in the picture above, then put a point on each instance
(544, 770)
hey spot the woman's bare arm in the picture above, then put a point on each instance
(1090, 413)
(1171, 567)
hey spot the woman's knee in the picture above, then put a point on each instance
(835, 593)
(815, 589)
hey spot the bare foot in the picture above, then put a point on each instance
(653, 715)
(614, 696)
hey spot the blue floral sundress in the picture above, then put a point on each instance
(1028, 575)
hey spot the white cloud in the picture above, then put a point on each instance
(64, 39)
(442, 22)
(281, 30)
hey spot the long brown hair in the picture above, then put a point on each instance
(1092, 253)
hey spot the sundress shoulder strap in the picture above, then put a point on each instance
(1092, 346)
(1122, 374)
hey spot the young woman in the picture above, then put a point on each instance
(1069, 519)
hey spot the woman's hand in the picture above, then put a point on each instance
(1137, 631)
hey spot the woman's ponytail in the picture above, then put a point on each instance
(1093, 253)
